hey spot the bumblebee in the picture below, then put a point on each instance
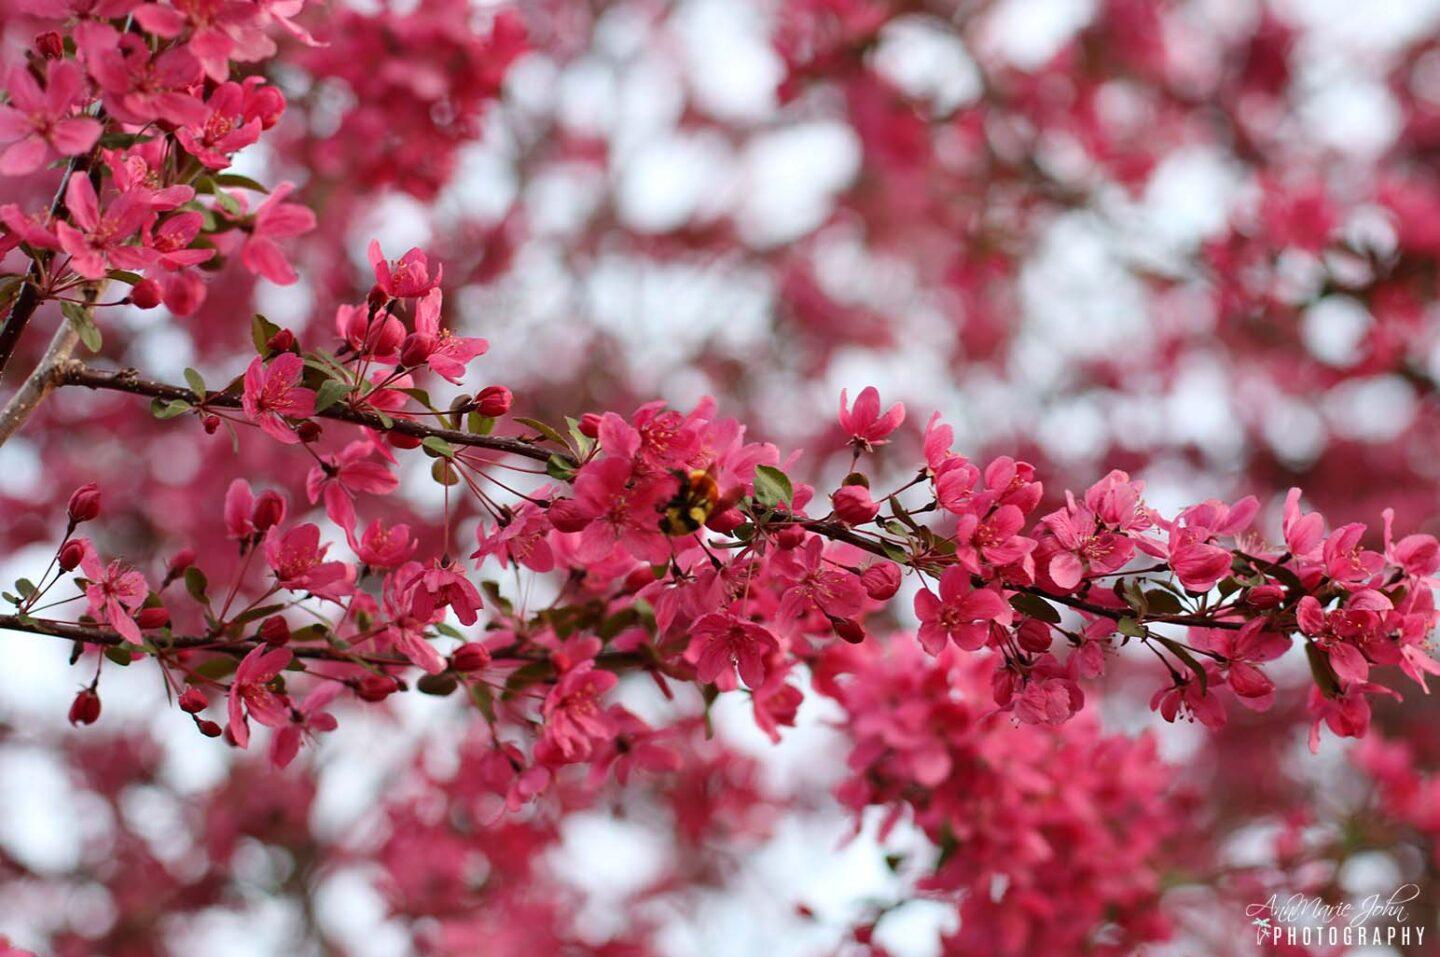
(694, 500)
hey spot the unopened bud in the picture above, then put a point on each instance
(790, 536)
(148, 618)
(881, 581)
(269, 510)
(590, 425)
(493, 401)
(375, 688)
(85, 709)
(471, 656)
(275, 631)
(849, 629)
(377, 298)
(84, 503)
(193, 701)
(416, 349)
(567, 515)
(72, 553)
(50, 45)
(282, 341)
(210, 423)
(308, 431)
(145, 294)
(853, 505)
(208, 728)
(402, 441)
(1034, 636)
(183, 559)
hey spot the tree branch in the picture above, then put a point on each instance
(128, 380)
(92, 635)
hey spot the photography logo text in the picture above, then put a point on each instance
(1380, 920)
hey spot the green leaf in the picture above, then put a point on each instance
(772, 486)
(264, 611)
(560, 467)
(1322, 670)
(196, 583)
(243, 182)
(25, 587)
(163, 409)
(120, 655)
(83, 323)
(1163, 602)
(1130, 628)
(125, 276)
(261, 329)
(1181, 652)
(545, 430)
(196, 382)
(228, 203)
(1035, 607)
(330, 392)
(439, 446)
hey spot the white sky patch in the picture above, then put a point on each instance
(791, 176)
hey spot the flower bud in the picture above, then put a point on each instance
(638, 579)
(375, 688)
(853, 505)
(193, 701)
(308, 431)
(567, 515)
(275, 631)
(791, 536)
(72, 553)
(416, 349)
(725, 521)
(269, 510)
(881, 580)
(265, 104)
(208, 728)
(84, 503)
(849, 629)
(590, 425)
(50, 45)
(402, 441)
(493, 401)
(376, 298)
(145, 294)
(85, 709)
(282, 341)
(1034, 636)
(471, 656)
(1266, 596)
(210, 423)
(148, 618)
(183, 559)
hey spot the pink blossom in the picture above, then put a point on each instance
(406, 278)
(37, 122)
(575, 721)
(275, 219)
(97, 241)
(307, 720)
(114, 594)
(341, 477)
(298, 560)
(450, 354)
(381, 547)
(273, 394)
(722, 643)
(959, 613)
(865, 425)
(250, 695)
